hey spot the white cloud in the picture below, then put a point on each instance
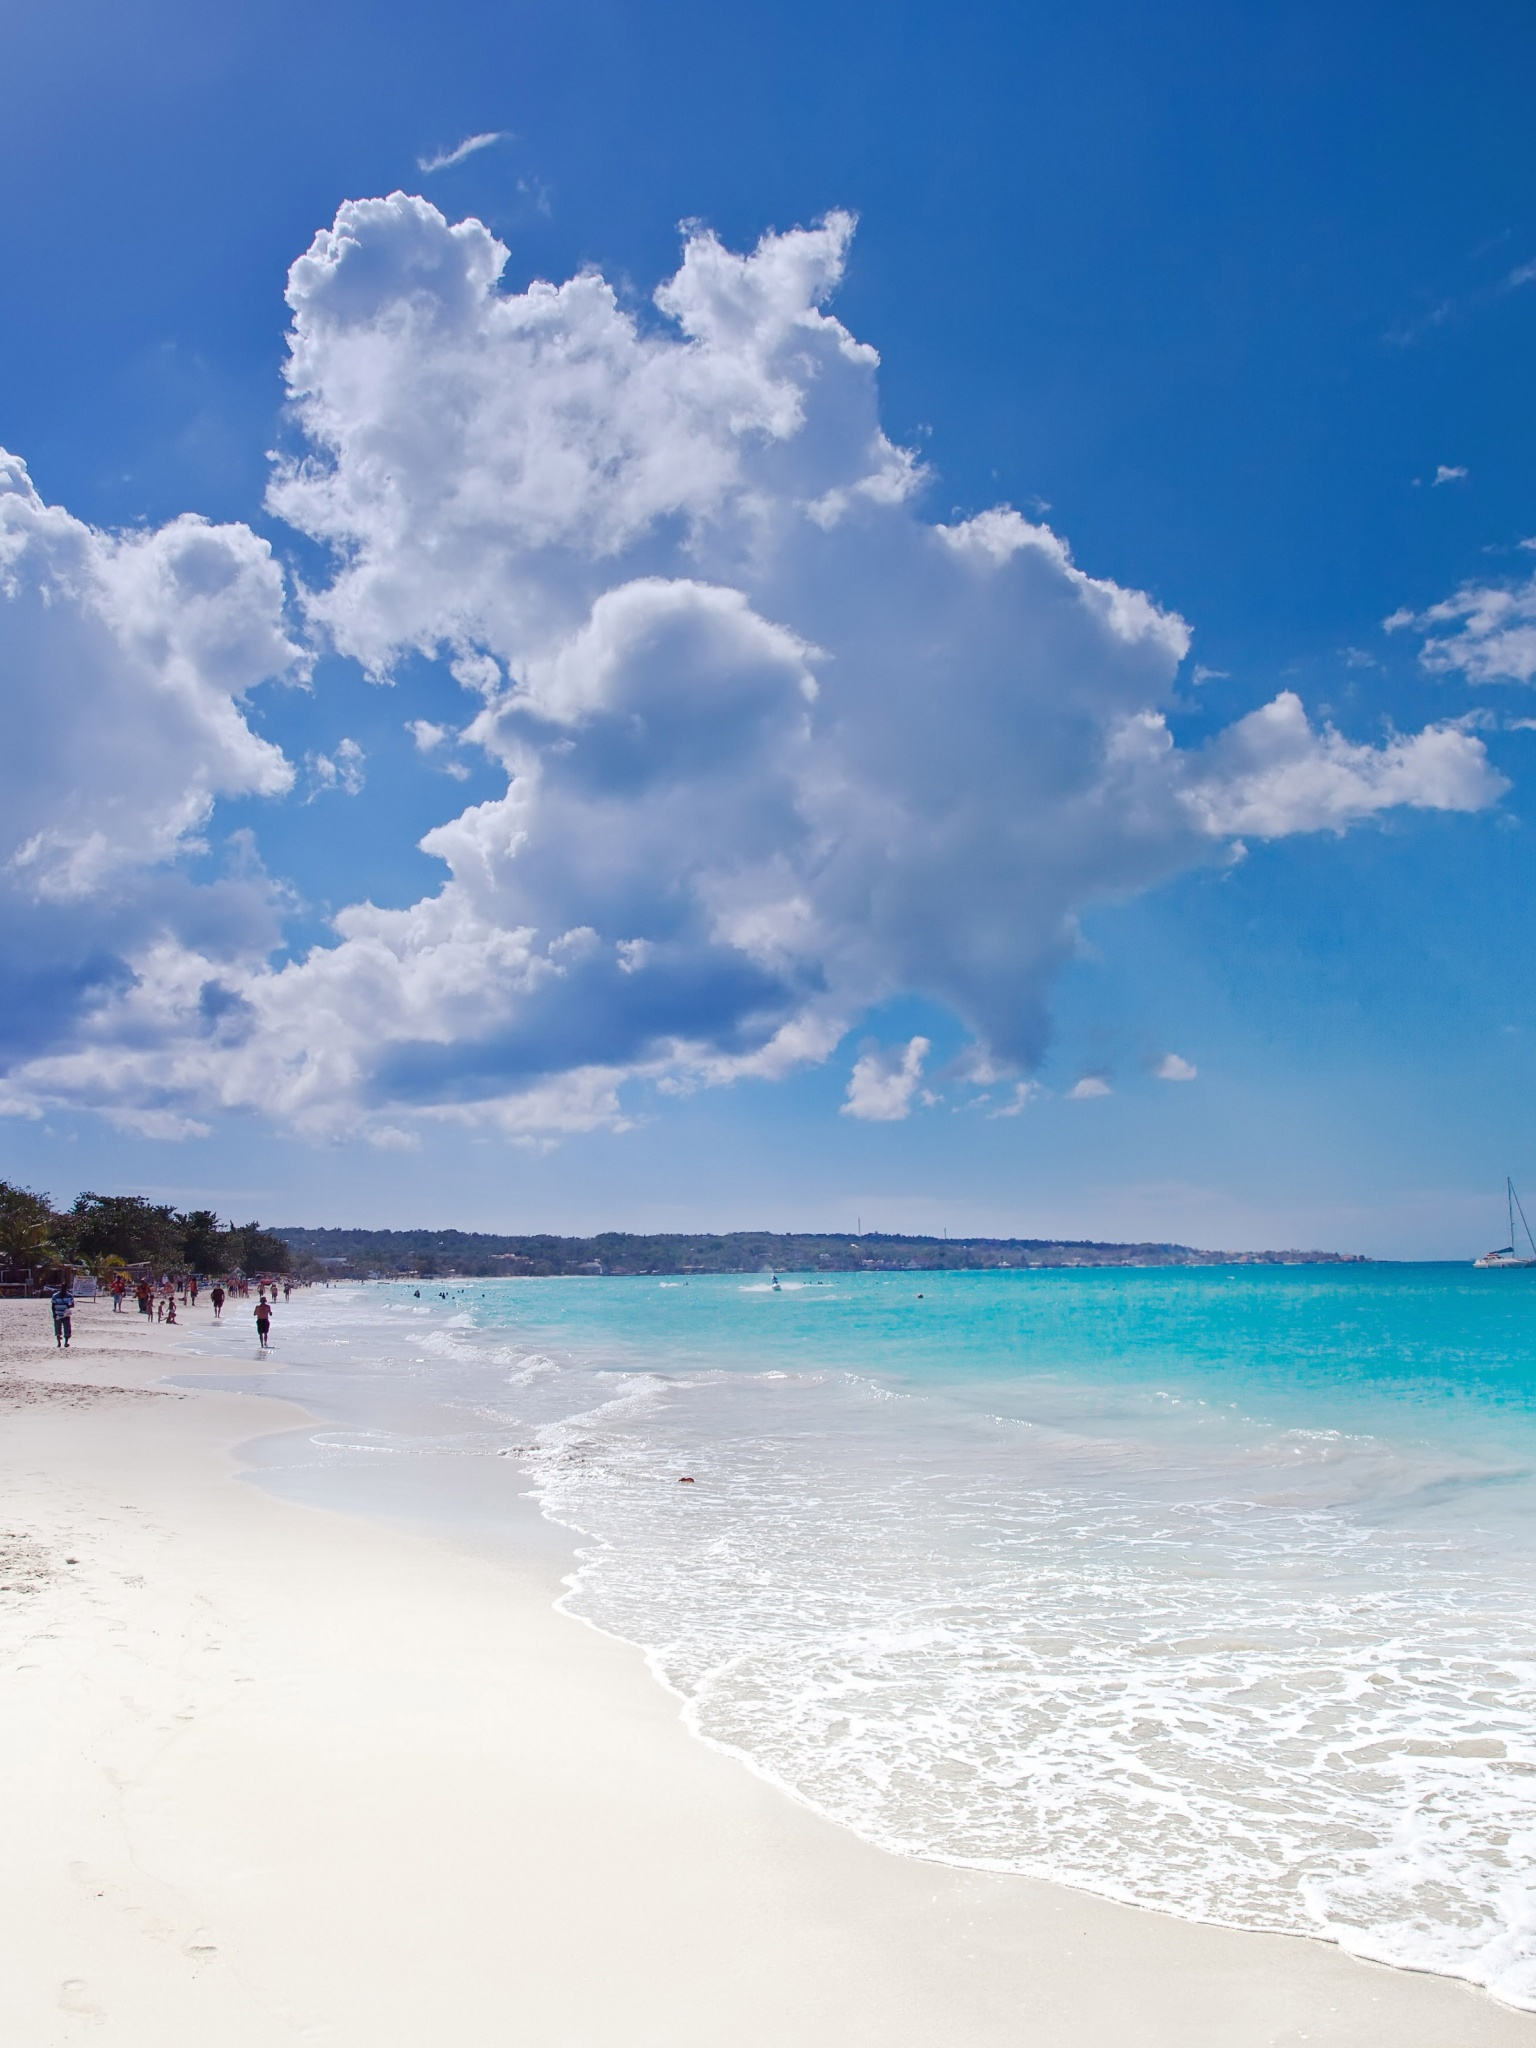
(342, 770)
(1448, 473)
(1171, 1068)
(126, 660)
(490, 463)
(431, 739)
(1494, 640)
(307, 1042)
(884, 1081)
(1089, 1089)
(447, 158)
(1271, 774)
(1020, 1096)
(776, 747)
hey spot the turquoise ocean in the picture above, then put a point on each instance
(1209, 1589)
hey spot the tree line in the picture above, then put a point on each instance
(131, 1230)
(430, 1254)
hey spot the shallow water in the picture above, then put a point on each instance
(1207, 1589)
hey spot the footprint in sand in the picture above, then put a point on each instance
(72, 1998)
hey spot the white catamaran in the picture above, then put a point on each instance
(1506, 1254)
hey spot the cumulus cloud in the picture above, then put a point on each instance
(884, 1082)
(126, 660)
(1089, 1089)
(487, 464)
(1492, 637)
(1271, 774)
(775, 746)
(1449, 473)
(1171, 1068)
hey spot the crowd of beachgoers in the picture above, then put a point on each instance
(165, 1299)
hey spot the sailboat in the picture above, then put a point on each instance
(1507, 1255)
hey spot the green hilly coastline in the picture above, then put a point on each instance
(436, 1254)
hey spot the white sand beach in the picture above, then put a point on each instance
(272, 1774)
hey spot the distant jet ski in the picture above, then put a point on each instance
(1506, 1255)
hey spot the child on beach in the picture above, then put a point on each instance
(217, 1298)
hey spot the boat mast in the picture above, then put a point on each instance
(1515, 1204)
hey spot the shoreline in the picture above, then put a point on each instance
(279, 1772)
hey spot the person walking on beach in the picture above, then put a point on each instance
(63, 1315)
(263, 1321)
(217, 1298)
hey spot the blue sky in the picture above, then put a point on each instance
(1238, 305)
